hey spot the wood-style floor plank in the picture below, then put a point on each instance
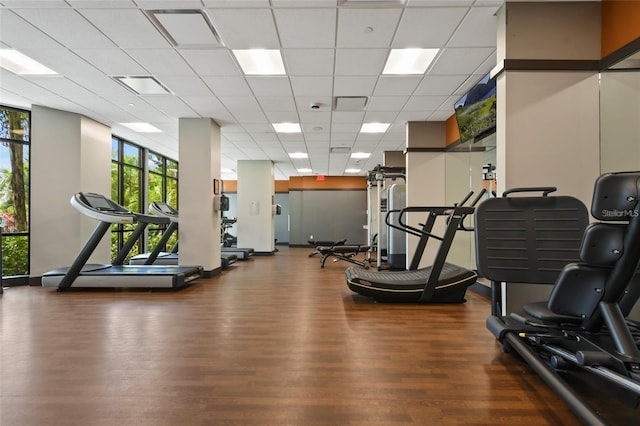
(273, 341)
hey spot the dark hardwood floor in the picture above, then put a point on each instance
(273, 341)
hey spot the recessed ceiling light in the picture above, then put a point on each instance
(374, 127)
(142, 127)
(19, 63)
(360, 155)
(298, 155)
(409, 61)
(143, 85)
(287, 127)
(304, 170)
(352, 171)
(185, 27)
(260, 61)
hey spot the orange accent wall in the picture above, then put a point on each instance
(620, 24)
(309, 182)
(451, 129)
(282, 186)
(329, 182)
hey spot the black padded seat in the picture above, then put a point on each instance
(408, 286)
(540, 311)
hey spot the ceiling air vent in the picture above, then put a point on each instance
(350, 103)
(369, 3)
(340, 150)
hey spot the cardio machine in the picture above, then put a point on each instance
(159, 257)
(582, 329)
(442, 282)
(81, 274)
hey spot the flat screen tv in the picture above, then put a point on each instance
(476, 111)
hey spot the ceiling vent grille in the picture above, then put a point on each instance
(350, 103)
(369, 3)
(340, 150)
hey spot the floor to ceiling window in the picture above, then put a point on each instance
(126, 190)
(162, 178)
(128, 171)
(14, 191)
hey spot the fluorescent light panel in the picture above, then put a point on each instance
(21, 64)
(142, 127)
(143, 85)
(352, 171)
(287, 127)
(409, 61)
(298, 155)
(260, 61)
(361, 155)
(304, 170)
(374, 127)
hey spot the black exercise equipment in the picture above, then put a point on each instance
(324, 243)
(442, 282)
(347, 253)
(81, 274)
(159, 257)
(594, 271)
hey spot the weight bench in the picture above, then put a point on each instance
(324, 243)
(344, 252)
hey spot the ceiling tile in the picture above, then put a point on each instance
(439, 84)
(428, 27)
(360, 61)
(228, 86)
(317, 62)
(476, 30)
(155, 61)
(458, 60)
(367, 27)
(277, 103)
(424, 103)
(111, 61)
(19, 34)
(236, 3)
(232, 25)
(270, 85)
(396, 85)
(308, 28)
(185, 85)
(66, 26)
(354, 86)
(126, 27)
(387, 103)
(312, 86)
(211, 62)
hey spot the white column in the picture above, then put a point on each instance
(199, 229)
(256, 191)
(69, 153)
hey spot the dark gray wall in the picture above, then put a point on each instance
(282, 220)
(328, 215)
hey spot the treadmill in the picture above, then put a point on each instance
(159, 257)
(83, 275)
(240, 253)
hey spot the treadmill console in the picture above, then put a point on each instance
(99, 207)
(164, 210)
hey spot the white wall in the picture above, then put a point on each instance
(620, 121)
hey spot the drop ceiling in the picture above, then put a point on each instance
(332, 49)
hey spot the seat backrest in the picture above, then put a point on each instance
(609, 253)
(528, 239)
